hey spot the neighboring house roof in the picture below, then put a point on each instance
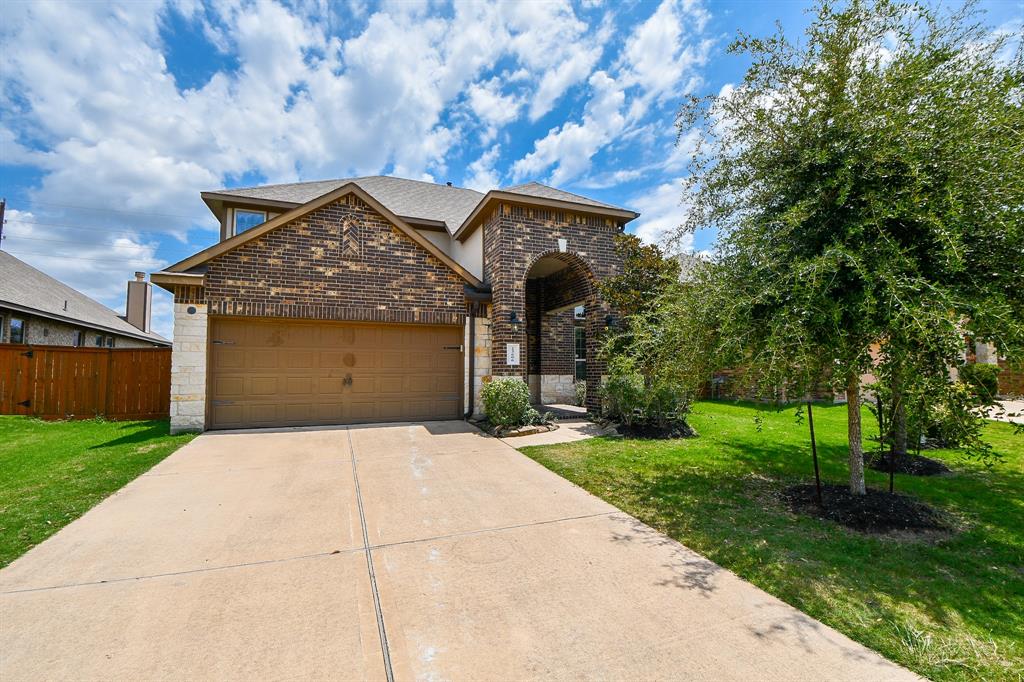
(404, 198)
(32, 291)
(535, 189)
(688, 264)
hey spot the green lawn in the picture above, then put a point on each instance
(949, 608)
(53, 472)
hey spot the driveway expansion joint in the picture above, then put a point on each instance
(189, 571)
(382, 631)
(495, 529)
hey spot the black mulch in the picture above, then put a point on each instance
(656, 432)
(876, 512)
(915, 465)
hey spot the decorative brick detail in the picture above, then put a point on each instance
(515, 238)
(343, 261)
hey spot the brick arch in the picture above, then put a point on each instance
(575, 283)
(515, 238)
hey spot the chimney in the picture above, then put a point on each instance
(139, 307)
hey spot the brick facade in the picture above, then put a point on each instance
(343, 261)
(515, 238)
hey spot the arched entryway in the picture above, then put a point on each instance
(563, 319)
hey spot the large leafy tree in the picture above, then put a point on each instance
(867, 187)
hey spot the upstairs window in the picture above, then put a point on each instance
(245, 220)
(17, 330)
(79, 339)
(579, 312)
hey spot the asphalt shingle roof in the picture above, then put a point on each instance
(535, 189)
(406, 198)
(23, 286)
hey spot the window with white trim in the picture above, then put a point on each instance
(245, 219)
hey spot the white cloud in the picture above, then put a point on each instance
(660, 60)
(483, 176)
(570, 147)
(90, 103)
(661, 212)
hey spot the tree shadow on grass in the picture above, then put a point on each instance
(950, 581)
(139, 433)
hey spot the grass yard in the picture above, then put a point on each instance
(53, 472)
(949, 607)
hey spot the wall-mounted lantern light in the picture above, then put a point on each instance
(609, 321)
(514, 322)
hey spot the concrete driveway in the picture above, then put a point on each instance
(419, 551)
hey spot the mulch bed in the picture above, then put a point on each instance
(656, 432)
(915, 465)
(876, 512)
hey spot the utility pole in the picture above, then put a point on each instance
(3, 207)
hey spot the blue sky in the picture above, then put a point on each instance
(113, 117)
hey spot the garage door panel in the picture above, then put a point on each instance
(229, 386)
(263, 359)
(298, 386)
(298, 359)
(392, 359)
(391, 384)
(287, 373)
(420, 383)
(227, 357)
(446, 384)
(330, 386)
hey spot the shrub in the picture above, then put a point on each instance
(635, 402)
(983, 380)
(581, 393)
(507, 402)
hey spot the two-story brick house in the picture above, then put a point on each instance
(383, 299)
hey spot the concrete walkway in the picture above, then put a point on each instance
(430, 550)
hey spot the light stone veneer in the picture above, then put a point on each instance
(557, 388)
(482, 361)
(188, 368)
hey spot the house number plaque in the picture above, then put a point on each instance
(511, 354)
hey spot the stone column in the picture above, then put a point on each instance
(188, 368)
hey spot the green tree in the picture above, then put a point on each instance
(867, 187)
(646, 272)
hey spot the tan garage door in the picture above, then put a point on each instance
(288, 373)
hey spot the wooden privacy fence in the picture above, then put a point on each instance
(60, 382)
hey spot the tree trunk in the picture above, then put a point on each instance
(853, 434)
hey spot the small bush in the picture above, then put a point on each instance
(507, 402)
(661, 406)
(983, 380)
(581, 393)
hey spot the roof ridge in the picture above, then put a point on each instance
(351, 179)
(444, 185)
(287, 184)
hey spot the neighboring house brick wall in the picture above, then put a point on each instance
(343, 261)
(514, 238)
(1011, 380)
(188, 367)
(44, 331)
